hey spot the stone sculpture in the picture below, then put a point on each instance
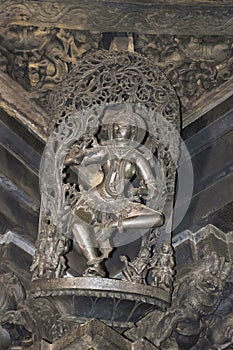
(111, 202)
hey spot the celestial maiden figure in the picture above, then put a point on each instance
(112, 203)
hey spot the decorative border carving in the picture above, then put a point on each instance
(98, 286)
(70, 295)
(195, 65)
(156, 18)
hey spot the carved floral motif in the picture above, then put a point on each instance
(194, 65)
(38, 57)
(155, 18)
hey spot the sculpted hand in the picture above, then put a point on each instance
(73, 157)
(137, 193)
(151, 190)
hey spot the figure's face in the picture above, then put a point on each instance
(121, 131)
(165, 248)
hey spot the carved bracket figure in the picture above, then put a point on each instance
(107, 181)
(101, 183)
(194, 304)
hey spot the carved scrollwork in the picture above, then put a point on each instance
(110, 77)
(38, 57)
(194, 65)
(23, 319)
(49, 259)
(157, 18)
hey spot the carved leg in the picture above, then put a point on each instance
(144, 218)
(84, 235)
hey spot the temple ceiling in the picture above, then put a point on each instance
(40, 42)
(191, 42)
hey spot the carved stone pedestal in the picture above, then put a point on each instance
(94, 335)
(118, 303)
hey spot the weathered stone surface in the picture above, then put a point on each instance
(18, 104)
(96, 335)
(151, 17)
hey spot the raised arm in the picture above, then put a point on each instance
(95, 156)
(86, 157)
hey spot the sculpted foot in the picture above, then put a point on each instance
(95, 270)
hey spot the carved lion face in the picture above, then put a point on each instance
(209, 283)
